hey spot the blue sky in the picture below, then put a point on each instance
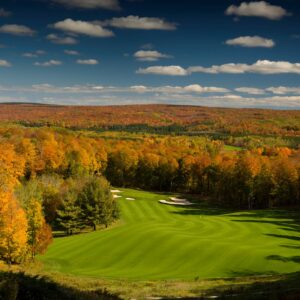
(101, 52)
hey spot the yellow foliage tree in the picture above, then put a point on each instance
(13, 229)
(39, 233)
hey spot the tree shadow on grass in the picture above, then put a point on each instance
(201, 211)
(285, 218)
(281, 287)
(295, 259)
(283, 236)
(291, 246)
(20, 286)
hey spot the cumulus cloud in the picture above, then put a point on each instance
(4, 63)
(282, 90)
(49, 63)
(30, 55)
(168, 89)
(149, 55)
(260, 67)
(83, 28)
(251, 41)
(90, 4)
(87, 61)
(61, 40)
(139, 88)
(250, 90)
(4, 13)
(196, 88)
(260, 9)
(33, 54)
(71, 52)
(193, 94)
(163, 70)
(144, 23)
(15, 29)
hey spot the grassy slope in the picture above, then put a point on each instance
(155, 241)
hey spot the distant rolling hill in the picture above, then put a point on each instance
(141, 117)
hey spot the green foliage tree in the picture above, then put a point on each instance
(69, 214)
(96, 203)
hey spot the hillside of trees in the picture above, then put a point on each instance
(157, 118)
(259, 177)
(59, 180)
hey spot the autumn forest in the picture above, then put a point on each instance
(57, 171)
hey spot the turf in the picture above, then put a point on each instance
(155, 241)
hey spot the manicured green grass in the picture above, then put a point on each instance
(232, 148)
(155, 241)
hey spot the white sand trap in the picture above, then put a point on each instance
(130, 199)
(177, 199)
(181, 203)
(116, 196)
(115, 191)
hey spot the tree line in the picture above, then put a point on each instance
(259, 177)
(153, 118)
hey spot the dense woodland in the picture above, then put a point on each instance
(157, 118)
(58, 179)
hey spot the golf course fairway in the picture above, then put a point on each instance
(155, 241)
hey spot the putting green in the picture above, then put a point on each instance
(156, 241)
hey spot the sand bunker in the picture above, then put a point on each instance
(130, 199)
(116, 196)
(115, 191)
(176, 201)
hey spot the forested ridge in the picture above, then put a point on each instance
(255, 177)
(157, 118)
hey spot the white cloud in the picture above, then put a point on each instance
(61, 40)
(193, 94)
(49, 63)
(87, 61)
(196, 88)
(260, 67)
(250, 90)
(90, 4)
(82, 27)
(4, 63)
(33, 54)
(29, 55)
(163, 70)
(149, 55)
(260, 9)
(71, 52)
(168, 89)
(15, 29)
(139, 88)
(40, 52)
(144, 23)
(4, 13)
(251, 41)
(282, 90)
